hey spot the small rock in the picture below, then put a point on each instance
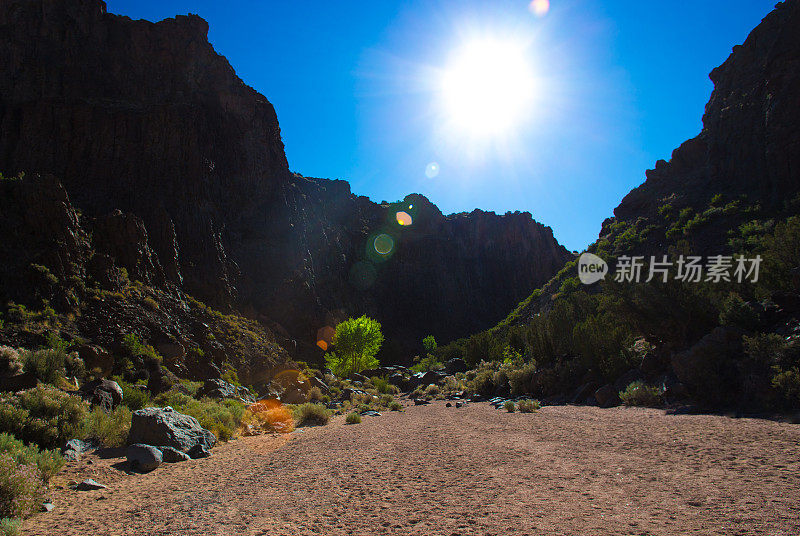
(370, 413)
(89, 485)
(459, 404)
(420, 402)
(199, 451)
(47, 507)
(173, 455)
(71, 455)
(143, 458)
(448, 405)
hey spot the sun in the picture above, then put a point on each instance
(488, 87)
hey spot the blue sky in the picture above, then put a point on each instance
(619, 85)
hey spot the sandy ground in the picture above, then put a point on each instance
(433, 470)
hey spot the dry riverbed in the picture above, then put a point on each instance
(432, 470)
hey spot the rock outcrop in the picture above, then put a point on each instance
(749, 147)
(148, 120)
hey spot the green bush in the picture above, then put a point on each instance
(9, 527)
(528, 406)
(736, 312)
(395, 406)
(315, 394)
(353, 418)
(10, 361)
(110, 429)
(640, 394)
(382, 385)
(43, 415)
(509, 405)
(519, 378)
(46, 364)
(49, 462)
(310, 414)
(21, 489)
(432, 390)
(132, 396)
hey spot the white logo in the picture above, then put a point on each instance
(591, 268)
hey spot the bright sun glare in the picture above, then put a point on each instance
(488, 87)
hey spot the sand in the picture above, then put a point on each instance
(432, 470)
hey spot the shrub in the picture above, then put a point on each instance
(395, 406)
(273, 416)
(432, 390)
(483, 381)
(109, 428)
(736, 312)
(310, 414)
(8, 526)
(509, 405)
(315, 394)
(356, 341)
(353, 418)
(519, 378)
(20, 488)
(132, 396)
(382, 385)
(528, 406)
(46, 364)
(10, 361)
(43, 415)
(639, 393)
(49, 462)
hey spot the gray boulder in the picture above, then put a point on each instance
(173, 455)
(102, 393)
(607, 396)
(167, 427)
(220, 389)
(143, 458)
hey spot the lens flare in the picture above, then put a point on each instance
(272, 415)
(404, 218)
(325, 337)
(383, 244)
(539, 7)
(432, 170)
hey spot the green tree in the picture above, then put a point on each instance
(429, 343)
(355, 343)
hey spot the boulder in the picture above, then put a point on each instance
(173, 455)
(692, 366)
(97, 358)
(607, 396)
(220, 389)
(94, 392)
(167, 427)
(455, 365)
(420, 402)
(143, 458)
(19, 382)
(199, 451)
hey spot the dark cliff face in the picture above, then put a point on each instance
(749, 147)
(147, 118)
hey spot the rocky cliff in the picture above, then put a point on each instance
(179, 167)
(748, 151)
